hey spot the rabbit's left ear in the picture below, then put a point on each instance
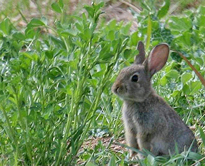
(158, 58)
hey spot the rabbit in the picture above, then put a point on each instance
(149, 122)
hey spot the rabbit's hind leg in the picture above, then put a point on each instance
(158, 147)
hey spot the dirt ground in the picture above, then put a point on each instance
(118, 10)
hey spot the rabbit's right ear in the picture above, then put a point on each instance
(139, 59)
(158, 58)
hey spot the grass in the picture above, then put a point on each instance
(56, 79)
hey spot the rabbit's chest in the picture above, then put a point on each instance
(138, 120)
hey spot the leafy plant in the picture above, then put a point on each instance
(52, 85)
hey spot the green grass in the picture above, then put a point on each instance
(55, 87)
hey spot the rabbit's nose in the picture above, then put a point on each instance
(118, 88)
(115, 88)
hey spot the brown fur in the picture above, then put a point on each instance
(149, 122)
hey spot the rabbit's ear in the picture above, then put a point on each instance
(139, 59)
(158, 58)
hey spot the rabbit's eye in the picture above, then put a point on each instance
(135, 78)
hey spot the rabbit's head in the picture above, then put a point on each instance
(133, 82)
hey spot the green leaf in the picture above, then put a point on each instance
(126, 29)
(195, 87)
(31, 56)
(201, 10)
(164, 9)
(19, 36)
(186, 77)
(5, 26)
(199, 60)
(98, 6)
(175, 93)
(87, 33)
(173, 74)
(56, 7)
(200, 21)
(186, 89)
(26, 54)
(30, 33)
(111, 35)
(134, 39)
(185, 39)
(79, 27)
(127, 53)
(61, 4)
(112, 161)
(163, 81)
(111, 25)
(57, 41)
(90, 10)
(105, 52)
(195, 156)
(180, 24)
(49, 54)
(70, 32)
(14, 118)
(35, 23)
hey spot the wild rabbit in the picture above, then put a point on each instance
(149, 122)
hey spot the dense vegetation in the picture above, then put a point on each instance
(55, 84)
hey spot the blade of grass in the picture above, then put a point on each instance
(202, 135)
(149, 32)
(24, 18)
